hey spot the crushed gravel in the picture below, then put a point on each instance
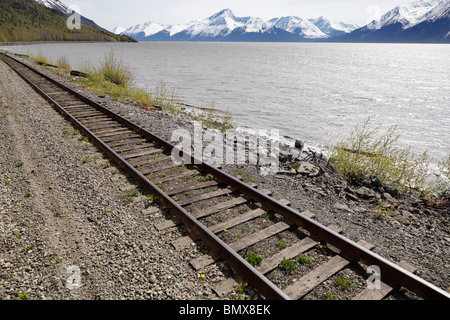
(77, 215)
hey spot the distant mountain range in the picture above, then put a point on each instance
(420, 21)
(225, 26)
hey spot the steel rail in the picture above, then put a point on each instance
(349, 249)
(221, 249)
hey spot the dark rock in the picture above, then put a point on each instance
(285, 156)
(299, 144)
(375, 182)
(393, 192)
(76, 73)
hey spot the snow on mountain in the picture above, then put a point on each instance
(54, 4)
(64, 9)
(419, 21)
(298, 26)
(408, 14)
(220, 24)
(257, 25)
(419, 16)
(224, 25)
(118, 30)
(333, 29)
(148, 29)
(441, 11)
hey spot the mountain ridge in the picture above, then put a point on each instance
(418, 21)
(426, 21)
(47, 20)
(225, 26)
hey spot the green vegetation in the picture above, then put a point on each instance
(288, 264)
(206, 177)
(63, 63)
(153, 199)
(282, 243)
(329, 296)
(343, 282)
(23, 296)
(211, 118)
(28, 21)
(246, 176)
(322, 247)
(113, 70)
(29, 247)
(382, 211)
(130, 194)
(303, 259)
(254, 259)
(367, 153)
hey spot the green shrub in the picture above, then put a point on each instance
(288, 264)
(114, 71)
(63, 63)
(254, 259)
(367, 152)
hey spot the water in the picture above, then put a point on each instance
(316, 92)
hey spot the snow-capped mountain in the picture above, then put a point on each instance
(298, 26)
(419, 21)
(333, 29)
(118, 30)
(64, 9)
(407, 15)
(54, 4)
(225, 26)
(144, 30)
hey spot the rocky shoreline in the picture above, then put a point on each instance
(58, 210)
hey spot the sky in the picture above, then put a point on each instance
(112, 13)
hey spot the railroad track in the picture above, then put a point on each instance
(212, 203)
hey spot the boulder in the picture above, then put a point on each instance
(365, 193)
(307, 169)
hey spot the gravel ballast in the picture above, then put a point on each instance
(64, 214)
(63, 208)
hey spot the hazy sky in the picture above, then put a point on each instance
(112, 13)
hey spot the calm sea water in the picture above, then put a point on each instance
(315, 92)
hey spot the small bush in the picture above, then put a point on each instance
(41, 58)
(63, 63)
(167, 100)
(367, 153)
(114, 71)
(214, 119)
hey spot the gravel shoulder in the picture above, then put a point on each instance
(58, 211)
(65, 220)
